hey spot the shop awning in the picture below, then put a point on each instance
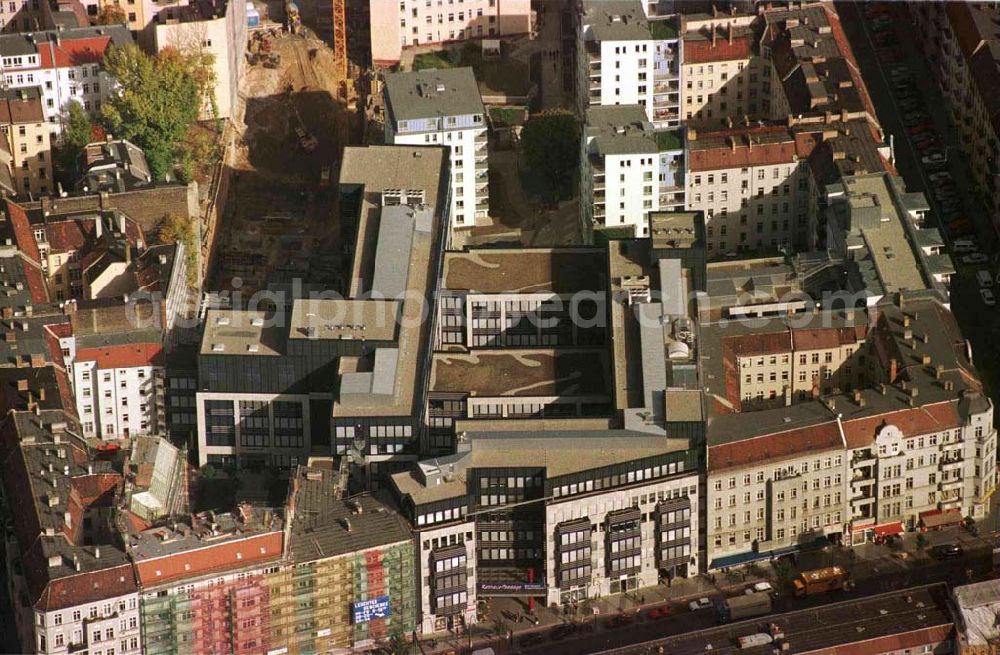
(887, 529)
(755, 556)
(937, 518)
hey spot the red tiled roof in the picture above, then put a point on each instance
(73, 52)
(24, 237)
(759, 344)
(123, 356)
(742, 155)
(36, 283)
(212, 558)
(915, 421)
(697, 51)
(66, 236)
(87, 587)
(827, 338)
(97, 489)
(895, 643)
(60, 330)
(774, 447)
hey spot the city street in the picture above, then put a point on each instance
(873, 569)
(979, 323)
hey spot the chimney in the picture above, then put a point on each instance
(730, 31)
(97, 552)
(857, 396)
(714, 34)
(41, 393)
(906, 321)
(939, 371)
(893, 370)
(926, 360)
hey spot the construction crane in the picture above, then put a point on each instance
(340, 38)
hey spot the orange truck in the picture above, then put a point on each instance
(819, 581)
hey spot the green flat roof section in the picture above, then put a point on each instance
(670, 140)
(662, 29)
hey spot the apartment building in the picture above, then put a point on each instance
(754, 186)
(814, 76)
(911, 446)
(26, 134)
(724, 78)
(560, 515)
(204, 581)
(962, 43)
(112, 165)
(626, 59)
(879, 230)
(443, 107)
(354, 557)
(216, 29)
(69, 575)
(65, 64)
(118, 381)
(397, 26)
(622, 196)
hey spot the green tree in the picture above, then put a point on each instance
(111, 15)
(176, 228)
(551, 145)
(157, 99)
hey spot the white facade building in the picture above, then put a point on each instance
(444, 107)
(119, 390)
(628, 170)
(65, 64)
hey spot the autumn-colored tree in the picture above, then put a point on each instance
(111, 15)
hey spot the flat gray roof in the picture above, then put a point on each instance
(314, 318)
(620, 130)
(616, 20)
(432, 93)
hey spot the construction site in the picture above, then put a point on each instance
(277, 221)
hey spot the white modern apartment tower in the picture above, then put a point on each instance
(444, 107)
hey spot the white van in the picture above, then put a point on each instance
(963, 245)
(984, 278)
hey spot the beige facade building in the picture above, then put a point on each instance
(723, 78)
(911, 446)
(754, 186)
(415, 23)
(22, 121)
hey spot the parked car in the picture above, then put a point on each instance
(988, 298)
(659, 612)
(934, 158)
(975, 258)
(762, 586)
(947, 551)
(699, 604)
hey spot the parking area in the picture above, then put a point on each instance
(927, 155)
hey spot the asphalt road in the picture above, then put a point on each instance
(644, 633)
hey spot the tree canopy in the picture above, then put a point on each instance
(111, 15)
(156, 101)
(551, 144)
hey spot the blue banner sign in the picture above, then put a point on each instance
(373, 608)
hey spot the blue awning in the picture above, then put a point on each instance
(754, 556)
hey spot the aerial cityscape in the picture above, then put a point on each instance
(489, 327)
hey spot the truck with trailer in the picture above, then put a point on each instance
(819, 581)
(742, 607)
